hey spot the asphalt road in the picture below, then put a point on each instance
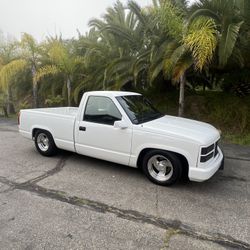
(75, 202)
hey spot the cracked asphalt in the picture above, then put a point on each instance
(75, 202)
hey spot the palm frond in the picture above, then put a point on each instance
(182, 66)
(58, 53)
(171, 19)
(97, 23)
(237, 57)
(203, 12)
(136, 9)
(120, 81)
(118, 67)
(170, 62)
(78, 60)
(9, 70)
(155, 70)
(28, 41)
(227, 43)
(81, 86)
(45, 71)
(140, 64)
(202, 41)
(122, 33)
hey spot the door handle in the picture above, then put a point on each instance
(82, 128)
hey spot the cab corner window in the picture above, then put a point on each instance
(102, 110)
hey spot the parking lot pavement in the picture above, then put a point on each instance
(75, 202)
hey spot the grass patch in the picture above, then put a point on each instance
(227, 112)
(169, 234)
(237, 139)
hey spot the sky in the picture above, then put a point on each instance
(42, 18)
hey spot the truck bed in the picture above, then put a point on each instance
(58, 121)
(69, 111)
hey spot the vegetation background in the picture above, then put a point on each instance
(191, 60)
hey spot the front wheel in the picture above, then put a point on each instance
(45, 143)
(161, 167)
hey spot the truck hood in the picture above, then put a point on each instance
(177, 127)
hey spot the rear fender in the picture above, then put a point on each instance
(39, 127)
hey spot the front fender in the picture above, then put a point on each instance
(133, 159)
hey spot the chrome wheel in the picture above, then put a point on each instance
(160, 168)
(43, 142)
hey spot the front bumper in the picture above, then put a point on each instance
(204, 173)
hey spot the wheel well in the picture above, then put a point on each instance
(39, 129)
(34, 132)
(182, 158)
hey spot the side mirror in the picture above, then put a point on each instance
(121, 124)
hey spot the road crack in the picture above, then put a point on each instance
(237, 158)
(59, 166)
(132, 215)
(156, 200)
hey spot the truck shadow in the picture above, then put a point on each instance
(219, 181)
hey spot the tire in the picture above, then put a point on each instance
(45, 144)
(162, 167)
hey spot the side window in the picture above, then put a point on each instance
(100, 109)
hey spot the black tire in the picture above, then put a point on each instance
(46, 149)
(165, 161)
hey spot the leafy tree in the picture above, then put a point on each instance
(62, 61)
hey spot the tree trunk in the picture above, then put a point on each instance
(34, 87)
(69, 91)
(10, 105)
(204, 87)
(5, 112)
(182, 95)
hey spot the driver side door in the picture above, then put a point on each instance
(96, 135)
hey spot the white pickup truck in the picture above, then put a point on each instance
(123, 127)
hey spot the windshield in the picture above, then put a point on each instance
(138, 108)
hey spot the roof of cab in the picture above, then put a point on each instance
(111, 93)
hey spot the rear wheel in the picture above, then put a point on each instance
(45, 144)
(161, 167)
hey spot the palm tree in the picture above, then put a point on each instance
(119, 34)
(139, 44)
(7, 73)
(117, 47)
(31, 53)
(10, 66)
(62, 61)
(185, 47)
